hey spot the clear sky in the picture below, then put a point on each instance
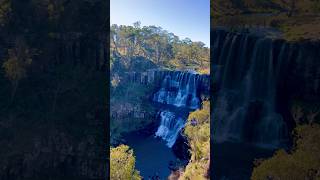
(184, 18)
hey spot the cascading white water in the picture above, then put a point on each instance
(179, 89)
(245, 104)
(170, 127)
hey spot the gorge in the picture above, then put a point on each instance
(256, 80)
(176, 94)
(154, 90)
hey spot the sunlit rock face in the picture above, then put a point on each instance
(256, 77)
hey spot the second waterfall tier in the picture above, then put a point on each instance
(170, 127)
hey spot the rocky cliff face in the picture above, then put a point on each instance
(156, 76)
(128, 110)
(152, 80)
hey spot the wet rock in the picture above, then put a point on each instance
(181, 148)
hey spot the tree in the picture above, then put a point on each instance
(55, 9)
(302, 163)
(19, 59)
(114, 39)
(158, 45)
(5, 8)
(288, 5)
(137, 24)
(122, 164)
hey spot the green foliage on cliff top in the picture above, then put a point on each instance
(297, 20)
(122, 164)
(52, 16)
(197, 131)
(220, 8)
(302, 163)
(5, 9)
(161, 47)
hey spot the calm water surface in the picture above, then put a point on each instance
(152, 155)
(234, 161)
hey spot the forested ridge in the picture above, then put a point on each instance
(163, 48)
(295, 20)
(235, 7)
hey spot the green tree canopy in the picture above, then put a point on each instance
(160, 46)
(302, 163)
(122, 164)
(197, 131)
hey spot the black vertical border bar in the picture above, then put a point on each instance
(107, 97)
(211, 92)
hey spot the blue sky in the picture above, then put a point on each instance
(184, 18)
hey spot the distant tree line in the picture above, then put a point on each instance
(158, 45)
(220, 8)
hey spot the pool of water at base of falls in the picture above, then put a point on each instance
(234, 161)
(153, 152)
(152, 155)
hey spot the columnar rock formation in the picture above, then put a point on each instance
(156, 76)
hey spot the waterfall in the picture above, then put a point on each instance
(179, 89)
(179, 92)
(170, 127)
(245, 106)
